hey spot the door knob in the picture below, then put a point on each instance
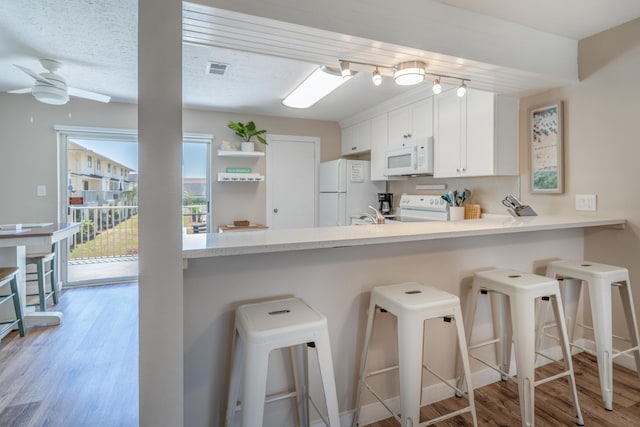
(275, 210)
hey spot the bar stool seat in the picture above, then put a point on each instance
(600, 279)
(513, 305)
(9, 275)
(263, 327)
(412, 304)
(45, 263)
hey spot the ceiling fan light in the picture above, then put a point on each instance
(49, 94)
(462, 90)
(410, 73)
(437, 87)
(376, 78)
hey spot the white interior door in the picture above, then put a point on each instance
(292, 181)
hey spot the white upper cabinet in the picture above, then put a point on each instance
(356, 138)
(412, 122)
(379, 144)
(476, 135)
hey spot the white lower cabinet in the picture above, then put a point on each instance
(356, 138)
(476, 135)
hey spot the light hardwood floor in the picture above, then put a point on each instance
(81, 373)
(85, 373)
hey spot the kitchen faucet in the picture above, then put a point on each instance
(379, 219)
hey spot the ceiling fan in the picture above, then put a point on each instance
(51, 88)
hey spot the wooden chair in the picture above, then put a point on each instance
(9, 275)
(45, 263)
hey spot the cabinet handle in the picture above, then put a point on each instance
(409, 135)
(275, 210)
(354, 148)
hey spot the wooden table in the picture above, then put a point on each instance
(13, 253)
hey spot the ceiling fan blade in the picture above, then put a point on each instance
(88, 95)
(36, 76)
(25, 90)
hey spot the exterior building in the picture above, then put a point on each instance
(95, 179)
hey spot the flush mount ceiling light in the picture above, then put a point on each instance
(319, 84)
(410, 73)
(405, 74)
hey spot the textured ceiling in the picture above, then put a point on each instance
(96, 41)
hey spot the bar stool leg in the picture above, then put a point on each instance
(468, 318)
(254, 385)
(464, 359)
(630, 316)
(566, 354)
(410, 345)
(42, 282)
(13, 284)
(502, 327)
(600, 298)
(325, 363)
(363, 362)
(523, 317)
(570, 290)
(237, 355)
(300, 360)
(54, 280)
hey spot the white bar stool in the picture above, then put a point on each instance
(600, 278)
(266, 326)
(412, 304)
(513, 304)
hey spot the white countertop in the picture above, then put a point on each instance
(254, 242)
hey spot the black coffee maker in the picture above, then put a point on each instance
(385, 203)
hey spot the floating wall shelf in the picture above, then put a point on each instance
(222, 153)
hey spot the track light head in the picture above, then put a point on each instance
(345, 69)
(462, 90)
(437, 87)
(376, 78)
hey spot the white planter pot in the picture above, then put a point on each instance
(248, 146)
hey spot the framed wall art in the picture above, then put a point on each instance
(546, 149)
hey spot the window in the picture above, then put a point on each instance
(108, 167)
(89, 162)
(121, 172)
(98, 164)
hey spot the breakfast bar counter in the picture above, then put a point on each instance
(263, 241)
(334, 269)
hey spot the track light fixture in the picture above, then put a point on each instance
(376, 78)
(345, 69)
(437, 87)
(462, 90)
(404, 74)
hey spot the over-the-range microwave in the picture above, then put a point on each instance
(412, 158)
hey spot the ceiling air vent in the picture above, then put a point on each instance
(216, 68)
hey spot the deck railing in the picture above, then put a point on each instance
(105, 232)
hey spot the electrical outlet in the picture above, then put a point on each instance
(586, 202)
(41, 190)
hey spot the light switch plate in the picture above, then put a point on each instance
(586, 202)
(41, 190)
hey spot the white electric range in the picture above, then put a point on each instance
(416, 208)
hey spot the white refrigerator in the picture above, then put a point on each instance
(346, 190)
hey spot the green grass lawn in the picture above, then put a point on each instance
(119, 241)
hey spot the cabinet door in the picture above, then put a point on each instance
(399, 125)
(421, 114)
(356, 138)
(379, 141)
(448, 138)
(478, 153)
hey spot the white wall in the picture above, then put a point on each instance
(601, 146)
(33, 151)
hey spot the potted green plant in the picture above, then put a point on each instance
(246, 132)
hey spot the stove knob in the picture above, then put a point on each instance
(431, 202)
